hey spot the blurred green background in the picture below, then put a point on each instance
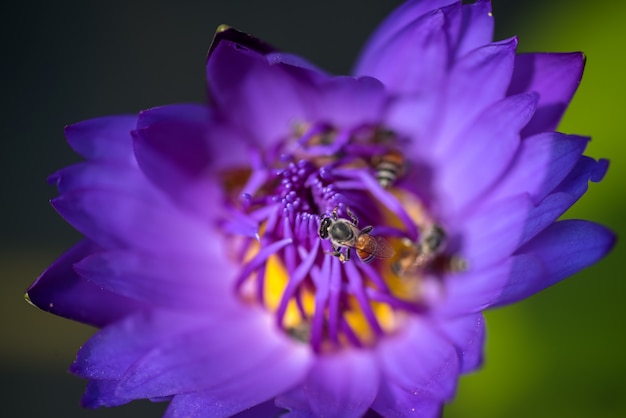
(559, 353)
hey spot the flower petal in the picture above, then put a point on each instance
(394, 401)
(476, 82)
(266, 409)
(494, 231)
(564, 195)
(564, 248)
(555, 76)
(217, 360)
(269, 100)
(342, 384)
(540, 164)
(196, 284)
(469, 27)
(103, 393)
(415, 59)
(108, 175)
(559, 251)
(296, 402)
(468, 335)
(420, 360)
(175, 154)
(116, 219)
(477, 290)
(110, 352)
(103, 139)
(482, 153)
(402, 17)
(350, 102)
(59, 290)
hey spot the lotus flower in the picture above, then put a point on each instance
(322, 245)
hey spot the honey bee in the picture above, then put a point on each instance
(389, 167)
(418, 255)
(344, 233)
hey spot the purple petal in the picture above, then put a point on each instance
(468, 335)
(350, 102)
(420, 360)
(477, 290)
(59, 290)
(394, 401)
(476, 82)
(238, 394)
(558, 252)
(564, 248)
(286, 59)
(103, 393)
(103, 139)
(182, 112)
(106, 175)
(342, 384)
(468, 27)
(415, 59)
(119, 219)
(109, 353)
(555, 76)
(493, 232)
(414, 117)
(182, 284)
(296, 402)
(268, 100)
(266, 409)
(564, 195)
(541, 163)
(482, 153)
(176, 156)
(218, 359)
(395, 23)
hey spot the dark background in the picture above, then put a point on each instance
(557, 354)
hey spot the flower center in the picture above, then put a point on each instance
(328, 239)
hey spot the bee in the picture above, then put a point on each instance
(344, 233)
(418, 255)
(389, 167)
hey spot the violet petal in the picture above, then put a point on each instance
(61, 291)
(196, 284)
(541, 163)
(403, 16)
(269, 100)
(420, 360)
(555, 76)
(342, 384)
(222, 348)
(415, 59)
(481, 155)
(155, 229)
(106, 138)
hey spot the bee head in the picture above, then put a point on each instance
(324, 226)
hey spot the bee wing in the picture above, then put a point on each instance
(369, 247)
(383, 248)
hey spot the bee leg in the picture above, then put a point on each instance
(367, 229)
(336, 253)
(335, 217)
(355, 220)
(345, 257)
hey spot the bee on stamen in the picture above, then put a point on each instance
(419, 255)
(344, 233)
(389, 167)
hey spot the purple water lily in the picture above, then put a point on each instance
(323, 245)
